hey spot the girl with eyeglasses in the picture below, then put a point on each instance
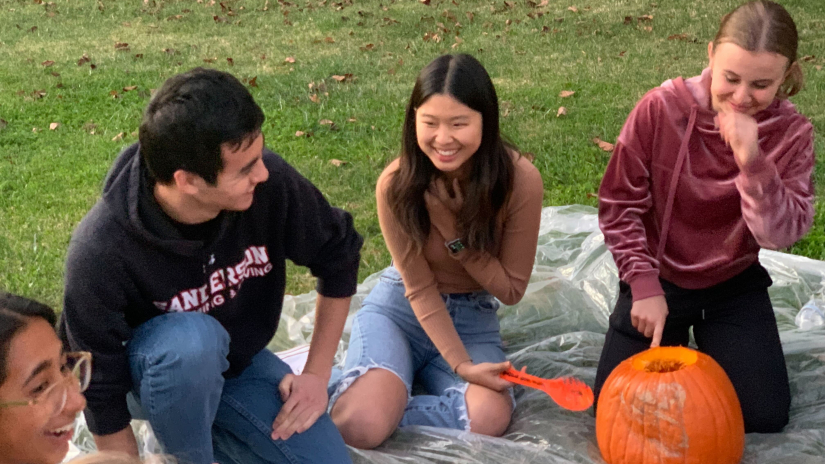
(40, 385)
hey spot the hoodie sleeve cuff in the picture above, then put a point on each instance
(646, 286)
(106, 419)
(759, 180)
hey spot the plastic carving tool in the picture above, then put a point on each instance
(568, 392)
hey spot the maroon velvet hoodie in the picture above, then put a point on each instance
(673, 202)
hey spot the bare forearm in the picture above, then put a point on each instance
(330, 317)
(123, 442)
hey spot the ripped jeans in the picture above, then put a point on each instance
(386, 334)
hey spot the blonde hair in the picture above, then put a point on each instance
(122, 458)
(763, 25)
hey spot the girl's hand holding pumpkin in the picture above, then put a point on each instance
(485, 374)
(741, 133)
(648, 317)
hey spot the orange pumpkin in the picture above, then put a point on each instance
(669, 405)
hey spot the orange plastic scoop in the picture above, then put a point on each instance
(568, 392)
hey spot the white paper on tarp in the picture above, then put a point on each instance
(558, 330)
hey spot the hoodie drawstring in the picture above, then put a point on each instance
(674, 181)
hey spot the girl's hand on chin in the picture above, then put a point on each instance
(741, 133)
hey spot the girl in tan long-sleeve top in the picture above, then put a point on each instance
(460, 213)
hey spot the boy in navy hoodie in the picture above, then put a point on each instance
(175, 281)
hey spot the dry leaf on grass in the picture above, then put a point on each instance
(573, 9)
(121, 46)
(47, 63)
(299, 133)
(606, 146)
(119, 136)
(315, 98)
(289, 59)
(337, 162)
(561, 112)
(566, 93)
(326, 122)
(54, 125)
(343, 78)
(130, 88)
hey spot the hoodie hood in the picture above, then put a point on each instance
(128, 196)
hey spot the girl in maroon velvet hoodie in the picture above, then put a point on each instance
(705, 172)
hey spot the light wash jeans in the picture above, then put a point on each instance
(177, 361)
(387, 335)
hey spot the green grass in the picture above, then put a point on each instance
(50, 178)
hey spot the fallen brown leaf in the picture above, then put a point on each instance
(458, 41)
(678, 37)
(622, 53)
(543, 3)
(645, 18)
(209, 60)
(561, 112)
(34, 129)
(426, 2)
(470, 16)
(351, 120)
(54, 125)
(367, 47)
(289, 59)
(628, 20)
(121, 46)
(253, 82)
(592, 195)
(566, 93)
(33, 28)
(114, 94)
(130, 88)
(818, 67)
(47, 63)
(138, 56)
(807, 58)
(337, 163)
(329, 40)
(326, 122)
(299, 133)
(230, 61)
(648, 28)
(343, 78)
(573, 9)
(606, 146)
(315, 98)
(119, 136)
(219, 19)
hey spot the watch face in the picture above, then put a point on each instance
(455, 246)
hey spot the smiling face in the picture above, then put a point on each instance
(448, 132)
(243, 169)
(742, 81)
(33, 434)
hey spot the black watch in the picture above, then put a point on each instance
(454, 246)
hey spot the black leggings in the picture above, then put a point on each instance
(733, 322)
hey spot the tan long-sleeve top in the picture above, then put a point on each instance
(427, 274)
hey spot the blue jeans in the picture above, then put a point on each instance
(386, 334)
(177, 361)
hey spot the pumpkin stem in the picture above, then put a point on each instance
(664, 365)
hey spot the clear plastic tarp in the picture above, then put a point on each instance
(558, 330)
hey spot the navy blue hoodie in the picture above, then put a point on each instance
(127, 263)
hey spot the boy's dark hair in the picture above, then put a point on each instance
(188, 120)
(15, 314)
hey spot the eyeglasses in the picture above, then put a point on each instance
(76, 371)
